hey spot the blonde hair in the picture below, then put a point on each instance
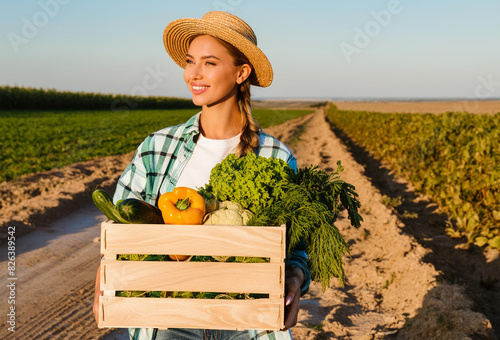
(249, 140)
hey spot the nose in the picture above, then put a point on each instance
(196, 71)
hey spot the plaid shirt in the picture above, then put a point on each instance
(151, 333)
(161, 157)
(155, 169)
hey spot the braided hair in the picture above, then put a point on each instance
(249, 140)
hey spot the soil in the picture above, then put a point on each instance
(35, 201)
(405, 278)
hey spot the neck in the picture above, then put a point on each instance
(221, 120)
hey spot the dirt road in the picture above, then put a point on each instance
(393, 291)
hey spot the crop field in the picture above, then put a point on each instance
(452, 157)
(21, 98)
(469, 106)
(34, 141)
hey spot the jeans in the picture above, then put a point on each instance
(202, 334)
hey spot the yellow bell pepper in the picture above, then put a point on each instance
(182, 206)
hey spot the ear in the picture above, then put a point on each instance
(243, 73)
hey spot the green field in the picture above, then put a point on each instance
(452, 157)
(34, 141)
(22, 98)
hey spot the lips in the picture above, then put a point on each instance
(199, 89)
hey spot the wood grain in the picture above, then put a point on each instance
(165, 313)
(217, 277)
(228, 277)
(192, 240)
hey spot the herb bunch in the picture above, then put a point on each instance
(308, 202)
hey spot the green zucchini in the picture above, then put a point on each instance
(133, 210)
(104, 202)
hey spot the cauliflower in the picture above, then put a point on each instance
(229, 213)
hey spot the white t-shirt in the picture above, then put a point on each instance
(207, 154)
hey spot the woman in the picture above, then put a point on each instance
(221, 60)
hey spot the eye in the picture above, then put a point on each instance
(210, 63)
(189, 61)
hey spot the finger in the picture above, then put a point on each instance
(292, 290)
(292, 302)
(291, 313)
(96, 306)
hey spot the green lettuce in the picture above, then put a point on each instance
(254, 182)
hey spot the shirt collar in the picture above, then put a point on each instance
(192, 126)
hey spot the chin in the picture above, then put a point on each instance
(203, 102)
(198, 101)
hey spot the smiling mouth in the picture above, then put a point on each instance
(199, 88)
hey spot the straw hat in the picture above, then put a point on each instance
(225, 26)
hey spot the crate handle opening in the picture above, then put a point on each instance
(104, 273)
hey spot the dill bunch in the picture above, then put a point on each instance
(328, 189)
(313, 223)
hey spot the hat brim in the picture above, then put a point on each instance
(178, 34)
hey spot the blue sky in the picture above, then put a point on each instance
(318, 49)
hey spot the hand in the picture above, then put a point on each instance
(97, 293)
(294, 277)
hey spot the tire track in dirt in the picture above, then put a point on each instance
(390, 291)
(55, 277)
(67, 317)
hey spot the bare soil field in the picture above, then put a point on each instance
(287, 104)
(405, 278)
(35, 201)
(471, 106)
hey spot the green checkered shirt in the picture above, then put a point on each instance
(150, 334)
(162, 156)
(155, 169)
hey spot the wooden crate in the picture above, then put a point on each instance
(208, 240)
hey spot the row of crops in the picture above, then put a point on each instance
(34, 141)
(452, 157)
(20, 98)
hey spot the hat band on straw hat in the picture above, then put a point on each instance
(225, 26)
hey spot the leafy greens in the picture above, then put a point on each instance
(308, 202)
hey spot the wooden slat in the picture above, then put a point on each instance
(281, 279)
(264, 278)
(106, 292)
(109, 254)
(191, 313)
(192, 276)
(193, 240)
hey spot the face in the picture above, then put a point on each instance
(210, 73)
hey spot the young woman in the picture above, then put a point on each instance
(221, 60)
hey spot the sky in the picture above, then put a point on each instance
(337, 49)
